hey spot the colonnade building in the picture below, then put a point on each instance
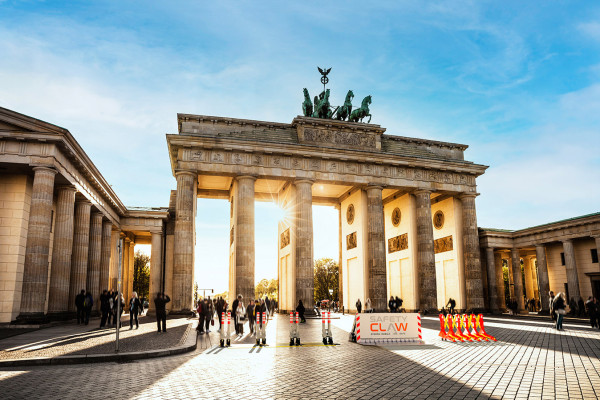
(407, 218)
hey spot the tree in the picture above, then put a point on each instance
(327, 276)
(141, 274)
(266, 288)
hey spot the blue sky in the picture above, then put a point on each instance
(519, 82)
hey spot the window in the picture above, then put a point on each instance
(594, 253)
(562, 258)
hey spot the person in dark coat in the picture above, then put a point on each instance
(251, 316)
(392, 304)
(592, 311)
(79, 299)
(209, 312)
(234, 307)
(200, 312)
(451, 303)
(358, 306)
(88, 302)
(300, 309)
(219, 308)
(581, 307)
(104, 307)
(161, 312)
(399, 302)
(135, 308)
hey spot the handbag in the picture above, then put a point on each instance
(561, 311)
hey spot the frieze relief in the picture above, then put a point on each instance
(351, 241)
(354, 139)
(285, 238)
(329, 166)
(443, 244)
(398, 243)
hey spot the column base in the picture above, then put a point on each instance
(32, 319)
(61, 315)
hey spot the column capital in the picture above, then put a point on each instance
(374, 186)
(468, 195)
(422, 191)
(490, 248)
(244, 177)
(539, 244)
(303, 180)
(185, 172)
(567, 241)
(67, 188)
(46, 169)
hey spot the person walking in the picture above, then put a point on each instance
(300, 309)
(592, 311)
(161, 312)
(219, 308)
(392, 304)
(251, 316)
(135, 307)
(368, 307)
(79, 299)
(200, 311)
(104, 307)
(559, 305)
(399, 302)
(88, 302)
(119, 305)
(209, 311)
(451, 303)
(111, 304)
(581, 307)
(358, 306)
(551, 305)
(240, 316)
(234, 306)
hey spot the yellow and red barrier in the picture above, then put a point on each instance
(463, 328)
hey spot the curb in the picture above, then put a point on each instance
(189, 345)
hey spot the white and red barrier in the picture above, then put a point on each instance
(326, 327)
(225, 329)
(381, 328)
(294, 333)
(261, 328)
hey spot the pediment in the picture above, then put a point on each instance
(12, 121)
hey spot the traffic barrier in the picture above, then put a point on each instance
(326, 327)
(381, 328)
(222, 333)
(465, 327)
(294, 333)
(261, 326)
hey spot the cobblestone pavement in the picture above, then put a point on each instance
(75, 339)
(530, 360)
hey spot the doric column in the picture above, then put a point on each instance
(94, 256)
(517, 278)
(499, 281)
(244, 237)
(304, 243)
(471, 254)
(183, 268)
(81, 242)
(115, 235)
(597, 239)
(126, 267)
(340, 262)
(35, 272)
(377, 285)
(529, 294)
(571, 267)
(105, 257)
(62, 249)
(131, 256)
(155, 267)
(425, 252)
(491, 275)
(511, 281)
(542, 266)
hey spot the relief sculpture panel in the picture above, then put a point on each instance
(443, 244)
(353, 139)
(285, 238)
(351, 241)
(398, 243)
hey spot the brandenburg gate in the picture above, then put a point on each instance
(407, 220)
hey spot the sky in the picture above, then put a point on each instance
(519, 82)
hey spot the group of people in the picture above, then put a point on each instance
(558, 305)
(395, 304)
(83, 304)
(252, 312)
(109, 302)
(368, 306)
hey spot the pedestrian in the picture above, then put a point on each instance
(251, 316)
(581, 307)
(572, 307)
(399, 302)
(209, 312)
(111, 304)
(200, 311)
(161, 312)
(368, 307)
(300, 309)
(240, 316)
(592, 311)
(219, 308)
(358, 306)
(551, 305)
(268, 305)
(559, 307)
(392, 304)
(260, 307)
(452, 304)
(135, 306)
(88, 302)
(104, 307)
(234, 306)
(119, 305)
(79, 299)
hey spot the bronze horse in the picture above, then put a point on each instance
(346, 109)
(361, 112)
(322, 109)
(307, 105)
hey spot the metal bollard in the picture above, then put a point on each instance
(294, 333)
(326, 328)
